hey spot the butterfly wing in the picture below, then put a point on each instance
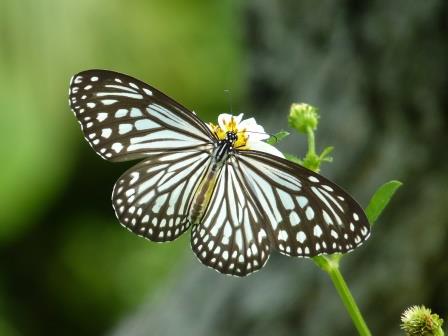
(306, 214)
(123, 118)
(231, 237)
(152, 199)
(262, 202)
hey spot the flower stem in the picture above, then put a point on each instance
(348, 300)
(330, 264)
(311, 142)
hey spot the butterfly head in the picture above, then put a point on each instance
(242, 134)
(231, 137)
(229, 130)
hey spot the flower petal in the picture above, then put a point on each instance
(256, 132)
(223, 120)
(238, 118)
(264, 147)
(248, 123)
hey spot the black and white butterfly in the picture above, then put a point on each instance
(241, 204)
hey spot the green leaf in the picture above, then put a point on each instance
(277, 137)
(293, 158)
(324, 156)
(380, 199)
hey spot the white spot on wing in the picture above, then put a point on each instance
(317, 231)
(302, 201)
(364, 230)
(121, 113)
(294, 219)
(282, 235)
(124, 128)
(301, 237)
(101, 116)
(286, 199)
(309, 212)
(123, 94)
(327, 218)
(144, 124)
(117, 147)
(135, 112)
(239, 239)
(108, 101)
(334, 234)
(327, 187)
(106, 132)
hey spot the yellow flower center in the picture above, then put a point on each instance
(230, 126)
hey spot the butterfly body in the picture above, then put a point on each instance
(204, 193)
(240, 197)
(223, 148)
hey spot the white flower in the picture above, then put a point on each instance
(250, 134)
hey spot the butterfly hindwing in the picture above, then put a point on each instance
(231, 237)
(306, 213)
(152, 199)
(123, 118)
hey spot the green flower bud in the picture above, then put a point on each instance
(302, 116)
(418, 321)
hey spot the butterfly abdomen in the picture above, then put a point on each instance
(205, 189)
(203, 194)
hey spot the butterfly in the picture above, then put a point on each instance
(241, 199)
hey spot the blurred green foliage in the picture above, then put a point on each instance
(167, 44)
(116, 273)
(55, 230)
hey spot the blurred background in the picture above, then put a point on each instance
(377, 70)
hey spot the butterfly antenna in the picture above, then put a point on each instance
(229, 94)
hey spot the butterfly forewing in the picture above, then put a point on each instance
(232, 236)
(152, 199)
(123, 118)
(307, 214)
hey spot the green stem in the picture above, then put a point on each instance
(330, 264)
(348, 300)
(311, 142)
